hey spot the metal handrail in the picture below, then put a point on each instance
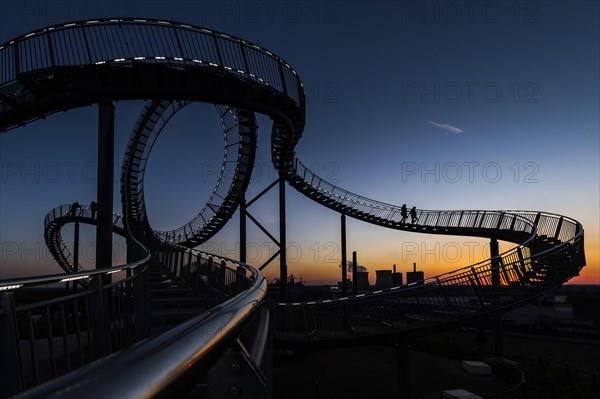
(54, 240)
(220, 52)
(234, 154)
(15, 283)
(300, 170)
(182, 351)
(433, 302)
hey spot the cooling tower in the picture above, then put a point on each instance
(362, 279)
(384, 279)
(397, 279)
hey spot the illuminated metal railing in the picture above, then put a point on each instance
(387, 214)
(487, 287)
(61, 215)
(126, 42)
(44, 339)
(171, 363)
(239, 131)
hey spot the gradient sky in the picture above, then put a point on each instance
(460, 105)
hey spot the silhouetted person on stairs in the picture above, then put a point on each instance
(74, 207)
(404, 214)
(413, 215)
(93, 208)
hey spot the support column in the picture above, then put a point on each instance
(104, 193)
(10, 365)
(243, 243)
(75, 253)
(282, 236)
(344, 263)
(106, 138)
(494, 252)
(76, 247)
(354, 274)
(496, 320)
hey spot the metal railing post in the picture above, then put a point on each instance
(10, 366)
(181, 263)
(558, 228)
(344, 263)
(99, 320)
(140, 300)
(222, 271)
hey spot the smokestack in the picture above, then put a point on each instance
(414, 267)
(362, 281)
(394, 268)
(384, 279)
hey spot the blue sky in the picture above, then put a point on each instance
(518, 79)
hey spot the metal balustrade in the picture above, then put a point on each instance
(42, 340)
(126, 42)
(61, 215)
(61, 334)
(440, 300)
(239, 130)
(238, 298)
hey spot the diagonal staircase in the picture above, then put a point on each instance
(172, 300)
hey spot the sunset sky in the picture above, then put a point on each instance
(433, 104)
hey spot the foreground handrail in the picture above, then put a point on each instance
(16, 283)
(164, 365)
(82, 211)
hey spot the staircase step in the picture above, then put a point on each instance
(176, 300)
(177, 313)
(162, 292)
(168, 284)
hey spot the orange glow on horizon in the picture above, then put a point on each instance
(434, 260)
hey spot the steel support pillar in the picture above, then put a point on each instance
(10, 366)
(344, 263)
(282, 236)
(496, 320)
(104, 193)
(281, 243)
(106, 138)
(354, 274)
(243, 243)
(494, 252)
(76, 247)
(75, 254)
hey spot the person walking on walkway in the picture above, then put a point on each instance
(404, 213)
(93, 209)
(74, 207)
(413, 215)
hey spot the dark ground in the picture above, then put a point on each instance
(371, 372)
(435, 365)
